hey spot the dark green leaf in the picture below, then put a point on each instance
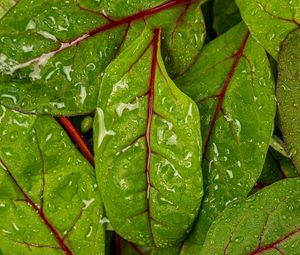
(266, 223)
(288, 94)
(226, 15)
(270, 21)
(234, 89)
(276, 167)
(147, 148)
(49, 201)
(53, 53)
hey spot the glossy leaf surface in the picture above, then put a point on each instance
(288, 94)
(52, 53)
(233, 86)
(147, 148)
(226, 15)
(259, 225)
(270, 21)
(49, 200)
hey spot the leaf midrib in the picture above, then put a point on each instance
(39, 211)
(110, 25)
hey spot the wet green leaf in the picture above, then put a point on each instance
(53, 53)
(270, 21)
(49, 200)
(276, 167)
(168, 251)
(278, 146)
(147, 148)
(226, 15)
(288, 95)
(259, 225)
(233, 86)
(6, 5)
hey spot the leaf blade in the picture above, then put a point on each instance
(42, 205)
(288, 96)
(53, 64)
(237, 221)
(227, 81)
(270, 22)
(134, 126)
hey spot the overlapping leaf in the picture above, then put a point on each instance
(266, 223)
(49, 200)
(52, 53)
(288, 94)
(147, 148)
(234, 89)
(276, 167)
(270, 21)
(226, 15)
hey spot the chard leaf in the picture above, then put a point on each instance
(5, 6)
(226, 15)
(53, 53)
(276, 167)
(278, 146)
(270, 21)
(147, 148)
(233, 86)
(288, 95)
(49, 201)
(259, 225)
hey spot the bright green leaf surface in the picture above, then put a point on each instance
(270, 21)
(147, 148)
(288, 94)
(53, 53)
(234, 89)
(226, 15)
(6, 5)
(49, 200)
(267, 223)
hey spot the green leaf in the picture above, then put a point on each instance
(147, 148)
(259, 225)
(276, 167)
(168, 251)
(233, 86)
(278, 146)
(270, 21)
(53, 53)
(226, 15)
(5, 6)
(49, 200)
(288, 95)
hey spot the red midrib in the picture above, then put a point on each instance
(138, 16)
(155, 43)
(238, 55)
(110, 25)
(275, 244)
(78, 138)
(41, 214)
